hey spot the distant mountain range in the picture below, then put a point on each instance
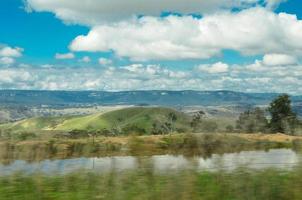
(162, 98)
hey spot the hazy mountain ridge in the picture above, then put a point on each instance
(158, 97)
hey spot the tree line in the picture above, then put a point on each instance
(282, 118)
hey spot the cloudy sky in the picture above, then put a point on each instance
(240, 45)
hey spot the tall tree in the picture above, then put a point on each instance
(283, 119)
(172, 118)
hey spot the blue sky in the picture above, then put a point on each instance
(242, 45)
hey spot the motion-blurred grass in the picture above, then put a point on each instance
(146, 184)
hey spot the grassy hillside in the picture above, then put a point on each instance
(38, 123)
(139, 117)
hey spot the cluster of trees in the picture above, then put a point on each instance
(127, 130)
(252, 121)
(22, 135)
(166, 126)
(282, 118)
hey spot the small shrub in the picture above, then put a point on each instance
(78, 133)
(229, 129)
(104, 132)
(133, 129)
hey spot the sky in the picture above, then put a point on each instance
(119, 45)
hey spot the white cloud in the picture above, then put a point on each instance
(279, 59)
(7, 60)
(10, 51)
(257, 66)
(95, 12)
(64, 56)
(105, 61)
(9, 54)
(85, 59)
(273, 63)
(47, 66)
(151, 77)
(254, 31)
(14, 76)
(215, 68)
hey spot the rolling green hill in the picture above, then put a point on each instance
(138, 118)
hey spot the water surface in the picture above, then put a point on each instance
(284, 159)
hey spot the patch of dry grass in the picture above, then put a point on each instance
(279, 137)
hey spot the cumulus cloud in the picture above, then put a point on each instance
(7, 60)
(9, 54)
(115, 26)
(215, 68)
(279, 59)
(105, 61)
(96, 12)
(254, 31)
(7, 51)
(273, 62)
(14, 78)
(64, 56)
(154, 77)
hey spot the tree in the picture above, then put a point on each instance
(159, 128)
(283, 119)
(196, 121)
(172, 117)
(252, 121)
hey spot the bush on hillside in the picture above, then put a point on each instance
(78, 133)
(25, 136)
(133, 129)
(159, 128)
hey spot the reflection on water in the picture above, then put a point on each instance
(278, 158)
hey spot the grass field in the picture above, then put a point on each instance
(141, 117)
